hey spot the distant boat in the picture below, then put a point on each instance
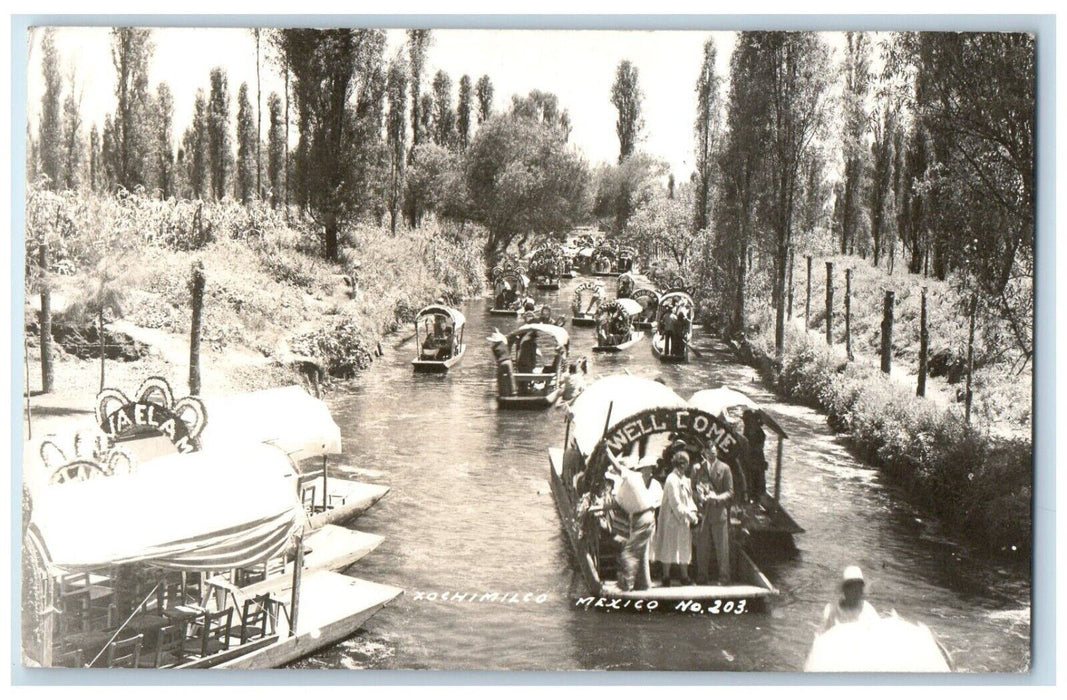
(649, 301)
(587, 299)
(439, 338)
(532, 374)
(681, 304)
(614, 326)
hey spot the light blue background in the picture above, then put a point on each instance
(1042, 670)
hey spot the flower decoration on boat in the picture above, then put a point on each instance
(90, 456)
(152, 411)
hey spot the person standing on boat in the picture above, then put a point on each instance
(713, 485)
(674, 543)
(756, 459)
(505, 374)
(631, 512)
(574, 383)
(852, 606)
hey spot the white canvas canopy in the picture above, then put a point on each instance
(626, 396)
(886, 645)
(202, 511)
(717, 401)
(287, 417)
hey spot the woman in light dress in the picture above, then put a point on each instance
(673, 543)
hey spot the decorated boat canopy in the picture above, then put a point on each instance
(604, 251)
(629, 307)
(724, 399)
(646, 297)
(287, 417)
(202, 511)
(547, 261)
(440, 310)
(588, 289)
(557, 335)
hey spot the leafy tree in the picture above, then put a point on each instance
(218, 132)
(857, 84)
(339, 83)
(195, 143)
(164, 142)
(418, 44)
(95, 166)
(276, 148)
(72, 122)
(483, 91)
(131, 50)
(522, 179)
(426, 118)
(396, 87)
(624, 188)
(626, 96)
(884, 128)
(444, 117)
(246, 146)
(707, 128)
(463, 113)
(663, 223)
(50, 127)
(435, 182)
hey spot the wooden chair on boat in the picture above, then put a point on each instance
(169, 649)
(125, 653)
(259, 572)
(215, 631)
(307, 498)
(258, 619)
(171, 592)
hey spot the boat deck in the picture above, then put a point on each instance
(348, 498)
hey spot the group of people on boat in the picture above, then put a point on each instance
(669, 521)
(440, 338)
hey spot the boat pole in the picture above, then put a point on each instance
(325, 498)
(298, 567)
(778, 471)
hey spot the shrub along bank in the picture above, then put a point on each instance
(978, 484)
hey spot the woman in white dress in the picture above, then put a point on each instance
(678, 512)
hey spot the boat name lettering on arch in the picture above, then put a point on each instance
(707, 427)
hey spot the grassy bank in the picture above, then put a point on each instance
(269, 298)
(978, 484)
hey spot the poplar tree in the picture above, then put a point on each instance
(463, 113)
(707, 128)
(164, 140)
(50, 127)
(275, 148)
(396, 134)
(246, 146)
(218, 132)
(626, 96)
(483, 91)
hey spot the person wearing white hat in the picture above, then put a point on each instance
(852, 606)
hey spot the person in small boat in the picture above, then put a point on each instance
(756, 459)
(573, 383)
(626, 286)
(505, 375)
(677, 514)
(505, 295)
(713, 488)
(667, 329)
(526, 358)
(852, 606)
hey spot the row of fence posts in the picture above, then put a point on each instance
(887, 324)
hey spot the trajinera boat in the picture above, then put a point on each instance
(604, 261)
(768, 528)
(637, 420)
(626, 259)
(624, 288)
(530, 364)
(674, 327)
(587, 299)
(546, 266)
(615, 331)
(888, 644)
(439, 338)
(510, 285)
(649, 301)
(127, 576)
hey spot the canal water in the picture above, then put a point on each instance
(471, 512)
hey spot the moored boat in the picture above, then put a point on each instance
(767, 525)
(587, 299)
(530, 364)
(636, 419)
(626, 260)
(604, 261)
(439, 338)
(614, 326)
(674, 327)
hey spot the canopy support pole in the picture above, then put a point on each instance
(298, 567)
(325, 497)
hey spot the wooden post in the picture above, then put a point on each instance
(197, 287)
(298, 568)
(807, 299)
(887, 332)
(778, 472)
(924, 347)
(970, 357)
(100, 325)
(829, 302)
(848, 314)
(26, 369)
(325, 498)
(47, 372)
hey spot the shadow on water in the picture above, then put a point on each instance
(471, 513)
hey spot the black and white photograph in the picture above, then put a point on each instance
(420, 347)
